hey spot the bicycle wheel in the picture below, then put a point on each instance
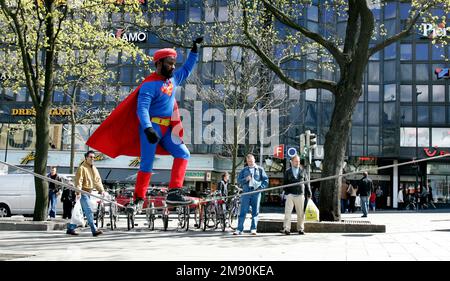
(233, 217)
(112, 216)
(221, 218)
(198, 216)
(165, 218)
(151, 217)
(98, 214)
(183, 217)
(130, 221)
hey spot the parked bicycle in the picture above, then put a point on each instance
(214, 213)
(234, 209)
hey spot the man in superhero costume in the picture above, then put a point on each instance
(147, 122)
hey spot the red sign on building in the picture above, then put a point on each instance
(279, 151)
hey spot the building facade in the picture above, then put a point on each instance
(403, 114)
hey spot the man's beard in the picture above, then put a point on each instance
(166, 72)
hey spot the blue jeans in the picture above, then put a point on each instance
(365, 204)
(344, 204)
(247, 201)
(52, 203)
(86, 207)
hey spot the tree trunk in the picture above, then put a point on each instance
(40, 163)
(334, 148)
(234, 151)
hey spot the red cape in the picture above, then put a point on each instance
(118, 134)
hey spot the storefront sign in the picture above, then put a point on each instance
(279, 151)
(30, 157)
(434, 151)
(432, 31)
(194, 175)
(135, 162)
(32, 112)
(442, 73)
(135, 37)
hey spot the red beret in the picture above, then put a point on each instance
(164, 53)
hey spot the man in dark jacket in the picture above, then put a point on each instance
(295, 195)
(365, 187)
(68, 199)
(53, 192)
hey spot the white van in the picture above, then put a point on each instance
(18, 195)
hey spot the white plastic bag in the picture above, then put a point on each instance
(311, 212)
(77, 214)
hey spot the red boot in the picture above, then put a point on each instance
(178, 171)
(175, 194)
(142, 183)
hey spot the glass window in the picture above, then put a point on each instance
(190, 92)
(422, 72)
(374, 72)
(406, 52)
(390, 92)
(194, 14)
(21, 94)
(404, 10)
(437, 52)
(357, 135)
(294, 94)
(408, 137)
(313, 13)
(113, 57)
(422, 115)
(326, 114)
(375, 56)
(406, 93)
(156, 19)
(125, 74)
(311, 114)
(236, 53)
(84, 95)
(389, 113)
(373, 93)
(279, 91)
(440, 137)
(311, 95)
(326, 96)
(181, 17)
(209, 14)
(423, 137)
(373, 135)
(169, 17)
(358, 114)
(421, 51)
(406, 72)
(438, 94)
(390, 71)
(438, 115)
(97, 97)
(223, 13)
(373, 114)
(58, 95)
(110, 94)
(389, 10)
(422, 93)
(207, 54)
(391, 28)
(406, 115)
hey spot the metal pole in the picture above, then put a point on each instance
(7, 142)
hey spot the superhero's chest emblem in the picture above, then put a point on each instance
(167, 88)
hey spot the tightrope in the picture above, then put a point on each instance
(231, 196)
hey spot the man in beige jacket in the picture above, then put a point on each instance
(87, 178)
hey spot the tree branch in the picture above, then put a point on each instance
(311, 83)
(409, 25)
(335, 52)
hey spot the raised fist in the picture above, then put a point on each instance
(196, 44)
